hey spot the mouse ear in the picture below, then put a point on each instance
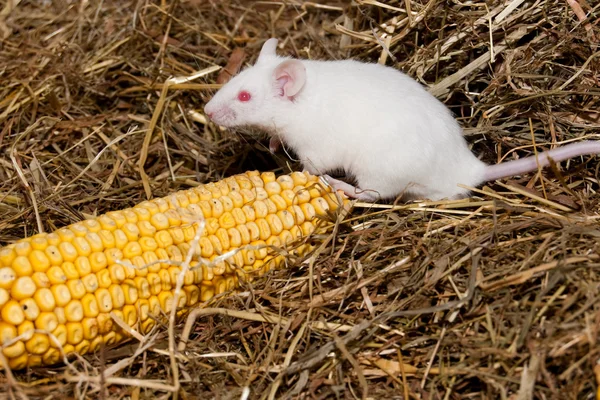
(268, 49)
(290, 77)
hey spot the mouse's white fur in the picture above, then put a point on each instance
(374, 122)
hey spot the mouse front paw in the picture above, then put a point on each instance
(349, 190)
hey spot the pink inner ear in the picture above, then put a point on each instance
(291, 77)
(281, 82)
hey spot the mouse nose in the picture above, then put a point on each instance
(210, 114)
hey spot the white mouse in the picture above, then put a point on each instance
(372, 121)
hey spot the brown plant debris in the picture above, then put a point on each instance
(494, 297)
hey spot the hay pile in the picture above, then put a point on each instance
(496, 297)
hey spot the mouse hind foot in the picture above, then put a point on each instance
(351, 191)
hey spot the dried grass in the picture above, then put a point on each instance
(495, 297)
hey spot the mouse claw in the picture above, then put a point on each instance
(349, 190)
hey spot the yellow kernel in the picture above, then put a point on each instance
(131, 231)
(56, 275)
(104, 300)
(76, 288)
(98, 261)
(192, 294)
(130, 291)
(148, 244)
(165, 278)
(61, 294)
(286, 218)
(163, 239)
(173, 217)
(107, 223)
(272, 188)
(307, 228)
(227, 203)
(110, 338)
(46, 321)
(253, 230)
(142, 286)
(142, 213)
(89, 327)
(261, 194)
(38, 344)
(78, 229)
(68, 251)
(249, 213)
(216, 243)
(23, 248)
(7, 256)
(83, 347)
(60, 314)
(25, 330)
(4, 296)
(146, 228)
(262, 250)
(166, 301)
(174, 254)
(40, 279)
(113, 256)
(130, 216)
(53, 255)
(189, 232)
(105, 323)
(260, 208)
(117, 296)
(22, 266)
(15, 350)
(226, 220)
(60, 333)
(44, 299)
(95, 241)
(90, 282)
(151, 206)
(309, 211)
(52, 356)
(140, 265)
(65, 234)
(244, 233)
(249, 257)
(235, 238)
(74, 311)
(116, 273)
(275, 224)
(109, 239)
(211, 226)
(90, 305)
(159, 221)
(74, 333)
(205, 208)
(22, 288)
(236, 198)
(39, 242)
(320, 204)
(130, 314)
(103, 277)
(177, 235)
(92, 225)
(7, 277)
(216, 208)
(30, 309)
(154, 283)
(19, 362)
(132, 249)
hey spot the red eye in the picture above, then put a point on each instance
(244, 96)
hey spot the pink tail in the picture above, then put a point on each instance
(529, 164)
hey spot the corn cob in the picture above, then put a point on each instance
(68, 282)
